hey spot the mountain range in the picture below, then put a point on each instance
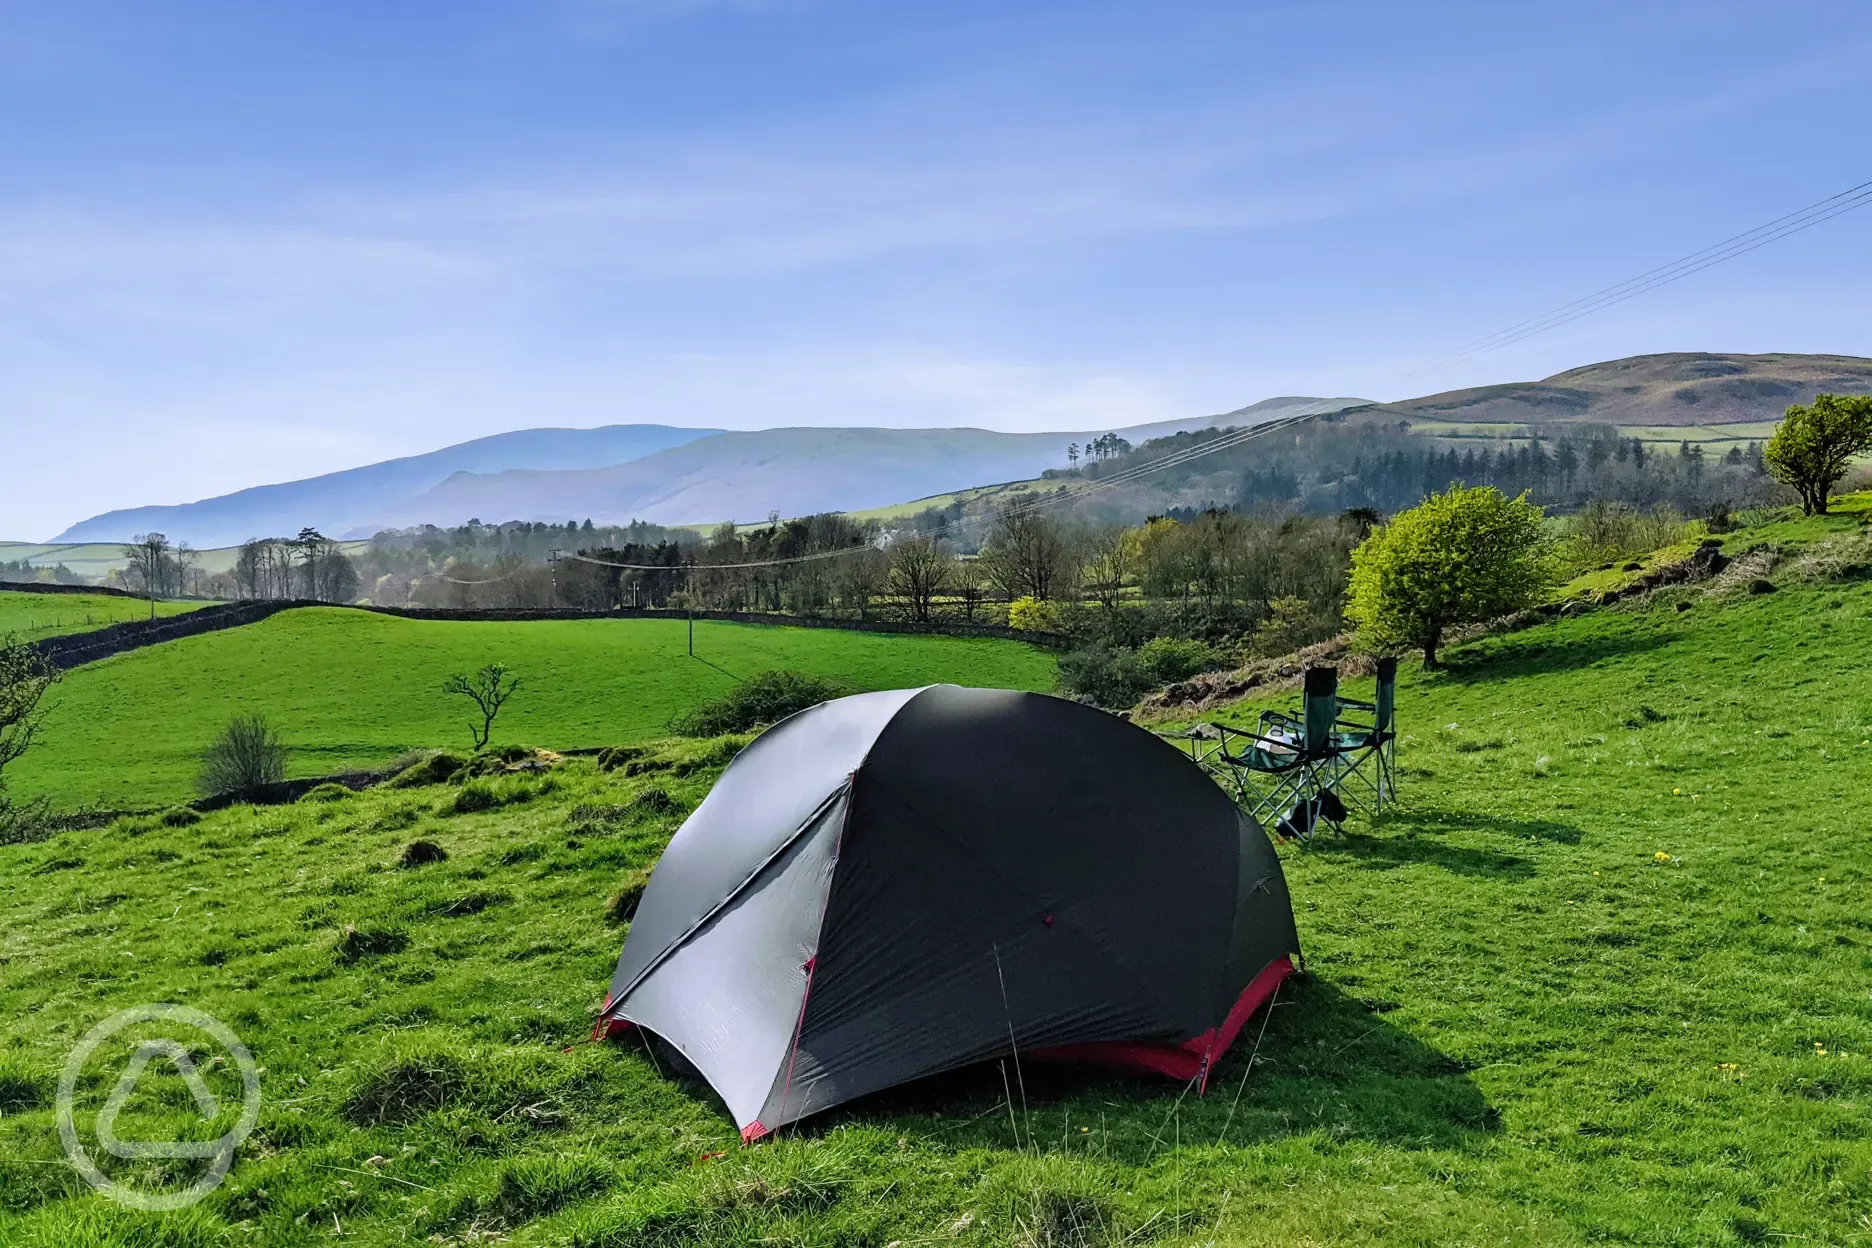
(672, 475)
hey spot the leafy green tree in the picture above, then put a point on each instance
(1816, 443)
(1460, 557)
(24, 679)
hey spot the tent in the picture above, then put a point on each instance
(895, 884)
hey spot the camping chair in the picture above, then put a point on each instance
(1365, 744)
(1293, 772)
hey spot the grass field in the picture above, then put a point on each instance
(1602, 976)
(349, 688)
(31, 616)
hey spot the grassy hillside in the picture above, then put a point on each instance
(1601, 977)
(347, 688)
(1680, 388)
(33, 616)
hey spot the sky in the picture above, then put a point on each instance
(248, 243)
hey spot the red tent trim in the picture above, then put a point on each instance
(1194, 1058)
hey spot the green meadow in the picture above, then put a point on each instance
(33, 617)
(1603, 974)
(350, 688)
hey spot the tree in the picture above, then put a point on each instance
(1459, 557)
(1111, 554)
(919, 570)
(1028, 555)
(24, 678)
(246, 756)
(1815, 445)
(148, 556)
(489, 690)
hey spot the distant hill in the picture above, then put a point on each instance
(699, 476)
(340, 502)
(744, 476)
(631, 472)
(1682, 388)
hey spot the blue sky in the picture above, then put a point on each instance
(243, 243)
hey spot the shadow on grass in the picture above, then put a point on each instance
(1402, 849)
(1326, 1062)
(1421, 819)
(1538, 650)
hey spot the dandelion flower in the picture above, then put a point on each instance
(1661, 856)
(1676, 792)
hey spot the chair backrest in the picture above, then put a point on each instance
(1386, 698)
(1321, 708)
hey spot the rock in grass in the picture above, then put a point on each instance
(422, 853)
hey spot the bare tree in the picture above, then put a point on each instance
(920, 569)
(147, 556)
(1029, 555)
(970, 582)
(489, 690)
(1111, 554)
(185, 559)
(24, 678)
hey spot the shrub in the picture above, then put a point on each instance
(1103, 675)
(434, 768)
(766, 698)
(246, 756)
(1166, 660)
(422, 853)
(1031, 615)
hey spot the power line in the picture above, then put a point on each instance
(1741, 244)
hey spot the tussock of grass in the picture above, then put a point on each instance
(622, 906)
(428, 768)
(327, 792)
(422, 853)
(474, 796)
(356, 943)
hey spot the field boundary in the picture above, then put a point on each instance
(54, 587)
(76, 649)
(940, 629)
